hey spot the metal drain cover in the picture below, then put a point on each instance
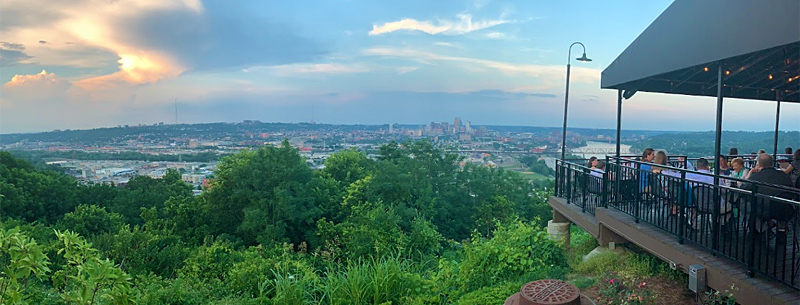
(549, 292)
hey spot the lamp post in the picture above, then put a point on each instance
(566, 95)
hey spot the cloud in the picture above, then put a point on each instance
(34, 87)
(495, 35)
(548, 76)
(149, 40)
(462, 25)
(404, 70)
(319, 68)
(12, 54)
(479, 4)
(445, 44)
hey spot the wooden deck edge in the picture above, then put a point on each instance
(572, 212)
(719, 275)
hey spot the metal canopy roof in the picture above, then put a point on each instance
(757, 43)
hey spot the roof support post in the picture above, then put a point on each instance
(717, 152)
(777, 124)
(619, 141)
(619, 121)
(564, 130)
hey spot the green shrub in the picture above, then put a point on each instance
(598, 264)
(490, 295)
(516, 250)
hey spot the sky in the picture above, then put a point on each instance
(99, 63)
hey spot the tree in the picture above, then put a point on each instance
(262, 196)
(90, 220)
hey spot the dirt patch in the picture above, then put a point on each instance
(665, 290)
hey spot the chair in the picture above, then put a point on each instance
(705, 203)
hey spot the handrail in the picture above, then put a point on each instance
(711, 174)
(724, 219)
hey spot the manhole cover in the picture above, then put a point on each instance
(549, 292)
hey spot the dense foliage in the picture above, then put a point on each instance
(698, 144)
(411, 227)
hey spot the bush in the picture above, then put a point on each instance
(490, 295)
(516, 250)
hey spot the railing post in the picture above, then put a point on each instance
(558, 178)
(568, 174)
(638, 200)
(585, 183)
(715, 221)
(604, 186)
(752, 231)
(682, 200)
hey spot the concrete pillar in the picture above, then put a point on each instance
(609, 237)
(558, 232)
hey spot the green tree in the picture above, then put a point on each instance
(263, 196)
(90, 220)
(21, 259)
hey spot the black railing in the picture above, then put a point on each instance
(754, 224)
(580, 185)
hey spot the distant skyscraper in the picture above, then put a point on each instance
(456, 125)
(391, 128)
(469, 127)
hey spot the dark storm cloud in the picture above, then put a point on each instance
(12, 53)
(219, 38)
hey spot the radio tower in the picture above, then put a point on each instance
(176, 111)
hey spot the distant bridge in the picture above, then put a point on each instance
(598, 150)
(508, 152)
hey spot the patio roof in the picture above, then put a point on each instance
(757, 43)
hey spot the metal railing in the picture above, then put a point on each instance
(752, 223)
(580, 185)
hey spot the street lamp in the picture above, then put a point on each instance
(566, 95)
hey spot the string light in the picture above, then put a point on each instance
(705, 69)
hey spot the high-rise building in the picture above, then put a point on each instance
(391, 128)
(456, 125)
(468, 127)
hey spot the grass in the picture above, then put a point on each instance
(632, 262)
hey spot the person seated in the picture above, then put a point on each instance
(599, 169)
(660, 159)
(793, 169)
(724, 169)
(765, 172)
(739, 171)
(702, 167)
(644, 174)
(592, 162)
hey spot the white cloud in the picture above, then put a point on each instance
(462, 25)
(309, 69)
(404, 70)
(87, 34)
(445, 44)
(548, 76)
(479, 4)
(495, 35)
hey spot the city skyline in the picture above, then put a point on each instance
(347, 62)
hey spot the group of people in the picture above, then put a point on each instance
(734, 172)
(788, 174)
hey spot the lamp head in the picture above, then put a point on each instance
(583, 58)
